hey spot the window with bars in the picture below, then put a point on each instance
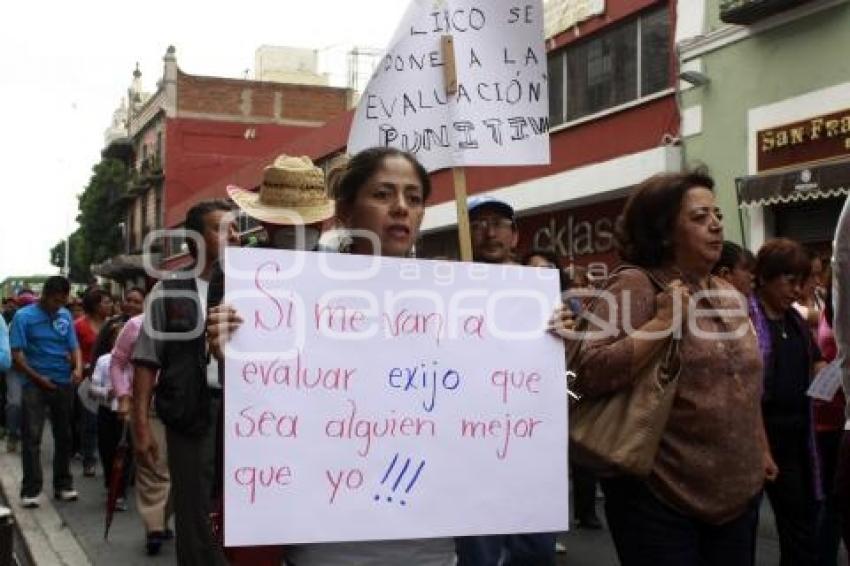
(611, 68)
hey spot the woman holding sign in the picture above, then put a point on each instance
(380, 198)
(697, 504)
(380, 192)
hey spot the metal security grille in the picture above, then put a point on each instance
(809, 222)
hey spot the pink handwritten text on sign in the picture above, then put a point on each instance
(423, 400)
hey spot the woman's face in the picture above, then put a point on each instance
(781, 292)
(134, 304)
(76, 309)
(390, 205)
(698, 231)
(104, 309)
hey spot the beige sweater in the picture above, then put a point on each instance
(709, 464)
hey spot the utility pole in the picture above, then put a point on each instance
(67, 268)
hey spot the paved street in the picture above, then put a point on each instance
(125, 545)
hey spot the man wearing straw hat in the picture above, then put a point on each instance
(292, 205)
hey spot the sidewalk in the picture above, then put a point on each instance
(71, 534)
(47, 536)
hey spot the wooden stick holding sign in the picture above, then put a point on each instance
(458, 173)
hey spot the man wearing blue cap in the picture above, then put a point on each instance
(494, 237)
(494, 230)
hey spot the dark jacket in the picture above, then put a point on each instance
(173, 341)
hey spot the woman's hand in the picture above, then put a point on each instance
(563, 322)
(222, 322)
(672, 304)
(124, 406)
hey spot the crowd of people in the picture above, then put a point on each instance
(741, 425)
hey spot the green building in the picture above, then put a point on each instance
(764, 94)
(13, 285)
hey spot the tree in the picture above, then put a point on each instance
(100, 214)
(80, 271)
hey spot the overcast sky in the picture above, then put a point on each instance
(64, 67)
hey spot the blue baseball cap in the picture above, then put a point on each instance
(477, 203)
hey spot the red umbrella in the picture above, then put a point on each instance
(116, 479)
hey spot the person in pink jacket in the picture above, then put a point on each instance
(153, 484)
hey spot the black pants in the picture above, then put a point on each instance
(35, 403)
(842, 486)
(648, 532)
(829, 537)
(84, 440)
(190, 464)
(109, 430)
(792, 498)
(584, 493)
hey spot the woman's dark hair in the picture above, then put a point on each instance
(195, 220)
(781, 256)
(548, 255)
(346, 180)
(732, 256)
(92, 300)
(645, 228)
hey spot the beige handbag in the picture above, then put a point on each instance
(620, 433)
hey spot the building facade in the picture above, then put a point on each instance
(766, 108)
(191, 132)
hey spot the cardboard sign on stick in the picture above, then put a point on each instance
(499, 112)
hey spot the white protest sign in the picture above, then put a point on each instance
(372, 398)
(500, 114)
(826, 383)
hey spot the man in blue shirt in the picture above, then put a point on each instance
(45, 351)
(5, 356)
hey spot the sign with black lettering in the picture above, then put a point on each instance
(500, 112)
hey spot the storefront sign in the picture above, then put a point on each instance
(561, 15)
(819, 138)
(585, 233)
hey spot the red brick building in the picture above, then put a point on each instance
(192, 131)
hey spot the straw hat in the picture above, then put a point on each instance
(292, 186)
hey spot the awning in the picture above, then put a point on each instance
(816, 182)
(123, 267)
